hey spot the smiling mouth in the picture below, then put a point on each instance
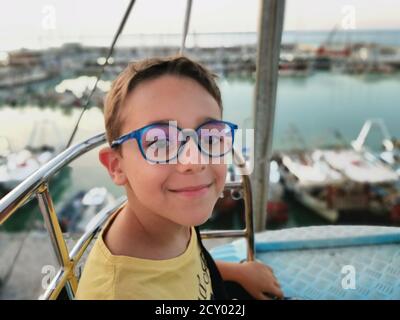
(197, 188)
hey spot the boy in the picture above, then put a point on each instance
(150, 249)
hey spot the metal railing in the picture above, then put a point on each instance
(37, 185)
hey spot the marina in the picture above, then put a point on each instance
(326, 157)
(329, 98)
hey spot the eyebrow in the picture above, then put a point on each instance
(166, 121)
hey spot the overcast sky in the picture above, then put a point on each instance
(25, 22)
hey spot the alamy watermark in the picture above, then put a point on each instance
(349, 278)
(348, 21)
(49, 18)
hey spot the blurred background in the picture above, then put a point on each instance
(336, 140)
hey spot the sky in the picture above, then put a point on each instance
(51, 22)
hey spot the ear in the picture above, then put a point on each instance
(112, 161)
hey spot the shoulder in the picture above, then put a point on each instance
(98, 276)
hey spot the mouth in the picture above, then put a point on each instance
(192, 191)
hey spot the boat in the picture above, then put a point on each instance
(82, 207)
(292, 65)
(16, 166)
(389, 153)
(310, 180)
(336, 182)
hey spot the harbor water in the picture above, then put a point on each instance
(317, 105)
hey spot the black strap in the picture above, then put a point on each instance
(217, 283)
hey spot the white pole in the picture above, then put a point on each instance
(269, 41)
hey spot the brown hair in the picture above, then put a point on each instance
(138, 72)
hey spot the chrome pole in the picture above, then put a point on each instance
(248, 232)
(57, 240)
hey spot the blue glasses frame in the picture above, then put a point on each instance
(138, 133)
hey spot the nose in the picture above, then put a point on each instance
(190, 159)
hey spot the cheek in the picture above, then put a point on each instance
(145, 179)
(220, 171)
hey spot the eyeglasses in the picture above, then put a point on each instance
(163, 142)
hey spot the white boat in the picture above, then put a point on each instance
(332, 181)
(77, 215)
(310, 179)
(16, 166)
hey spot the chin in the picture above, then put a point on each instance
(194, 218)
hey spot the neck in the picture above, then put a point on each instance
(155, 228)
(141, 233)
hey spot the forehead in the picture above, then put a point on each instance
(169, 97)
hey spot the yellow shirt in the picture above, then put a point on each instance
(106, 276)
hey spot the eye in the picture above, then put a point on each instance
(210, 140)
(158, 143)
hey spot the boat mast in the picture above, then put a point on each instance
(270, 27)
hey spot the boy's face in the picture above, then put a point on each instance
(173, 191)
